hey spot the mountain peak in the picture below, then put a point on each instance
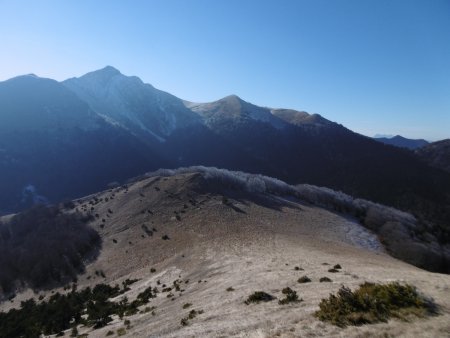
(26, 76)
(109, 70)
(104, 74)
(231, 98)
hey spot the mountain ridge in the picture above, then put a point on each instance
(158, 130)
(402, 142)
(437, 154)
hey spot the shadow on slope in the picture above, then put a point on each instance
(44, 247)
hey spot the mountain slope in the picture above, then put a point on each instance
(147, 112)
(32, 103)
(327, 154)
(228, 235)
(52, 144)
(437, 154)
(402, 142)
(233, 109)
(231, 133)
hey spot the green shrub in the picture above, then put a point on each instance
(325, 279)
(304, 279)
(192, 314)
(373, 303)
(64, 311)
(230, 289)
(290, 297)
(333, 270)
(259, 296)
(121, 331)
(337, 266)
(185, 306)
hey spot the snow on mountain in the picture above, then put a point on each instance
(141, 108)
(151, 114)
(233, 108)
(299, 118)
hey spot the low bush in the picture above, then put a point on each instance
(373, 303)
(259, 296)
(290, 296)
(304, 279)
(121, 331)
(192, 314)
(325, 280)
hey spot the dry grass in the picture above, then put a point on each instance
(246, 250)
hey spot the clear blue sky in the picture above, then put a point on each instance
(380, 66)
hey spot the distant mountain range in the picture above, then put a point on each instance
(60, 140)
(402, 142)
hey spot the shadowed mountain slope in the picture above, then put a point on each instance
(54, 145)
(437, 154)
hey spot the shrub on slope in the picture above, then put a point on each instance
(373, 303)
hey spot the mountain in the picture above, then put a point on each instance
(383, 136)
(147, 112)
(181, 252)
(402, 142)
(235, 110)
(437, 154)
(54, 147)
(32, 103)
(141, 128)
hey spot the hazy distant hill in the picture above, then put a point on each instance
(402, 142)
(115, 127)
(436, 154)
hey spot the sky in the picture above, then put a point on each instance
(375, 66)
